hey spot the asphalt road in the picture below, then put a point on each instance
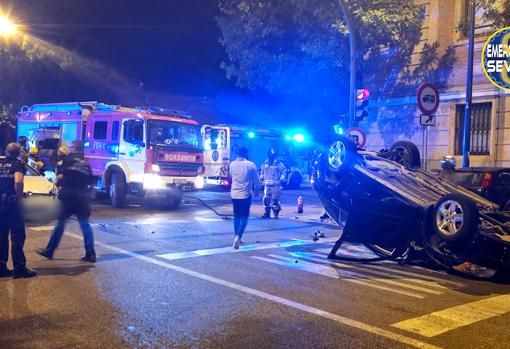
(171, 280)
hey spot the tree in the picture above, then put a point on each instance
(298, 49)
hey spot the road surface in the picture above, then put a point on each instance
(172, 280)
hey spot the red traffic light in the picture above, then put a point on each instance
(362, 94)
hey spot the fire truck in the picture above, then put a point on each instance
(148, 152)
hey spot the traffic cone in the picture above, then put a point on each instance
(300, 204)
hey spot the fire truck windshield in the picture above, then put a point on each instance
(173, 134)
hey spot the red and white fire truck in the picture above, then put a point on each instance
(146, 152)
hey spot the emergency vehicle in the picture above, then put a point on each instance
(146, 152)
(222, 141)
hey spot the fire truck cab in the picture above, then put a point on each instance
(149, 152)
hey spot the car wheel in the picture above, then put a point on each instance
(455, 218)
(406, 154)
(118, 190)
(341, 154)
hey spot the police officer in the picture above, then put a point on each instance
(22, 141)
(272, 174)
(62, 152)
(12, 171)
(74, 178)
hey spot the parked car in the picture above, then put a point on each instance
(492, 183)
(40, 203)
(403, 213)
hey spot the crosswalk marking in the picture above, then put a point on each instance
(349, 277)
(446, 320)
(384, 266)
(358, 274)
(388, 273)
(379, 276)
(159, 221)
(42, 228)
(205, 219)
(242, 248)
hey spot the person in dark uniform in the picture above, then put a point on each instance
(22, 141)
(12, 171)
(75, 182)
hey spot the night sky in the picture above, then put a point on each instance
(172, 46)
(169, 45)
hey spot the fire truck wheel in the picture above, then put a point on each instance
(118, 190)
(173, 199)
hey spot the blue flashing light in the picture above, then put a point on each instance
(86, 144)
(288, 138)
(299, 137)
(251, 134)
(338, 129)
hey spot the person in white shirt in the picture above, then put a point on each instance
(245, 181)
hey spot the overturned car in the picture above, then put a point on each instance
(386, 202)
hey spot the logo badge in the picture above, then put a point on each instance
(496, 58)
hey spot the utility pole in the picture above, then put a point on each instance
(469, 87)
(352, 46)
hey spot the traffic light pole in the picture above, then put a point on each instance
(352, 46)
(469, 88)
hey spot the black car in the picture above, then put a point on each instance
(492, 183)
(404, 213)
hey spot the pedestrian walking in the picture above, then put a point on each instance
(12, 172)
(75, 183)
(245, 182)
(272, 174)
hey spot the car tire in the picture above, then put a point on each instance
(340, 155)
(406, 154)
(118, 190)
(455, 218)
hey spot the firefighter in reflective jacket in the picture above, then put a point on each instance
(272, 174)
(34, 160)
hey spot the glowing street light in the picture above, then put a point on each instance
(7, 28)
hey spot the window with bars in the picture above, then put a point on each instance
(480, 131)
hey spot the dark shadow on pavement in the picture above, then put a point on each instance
(70, 271)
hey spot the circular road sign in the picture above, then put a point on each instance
(427, 98)
(357, 135)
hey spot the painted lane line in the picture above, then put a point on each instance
(161, 221)
(446, 320)
(347, 276)
(394, 269)
(276, 299)
(42, 228)
(204, 219)
(387, 273)
(242, 248)
(357, 274)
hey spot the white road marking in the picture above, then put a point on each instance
(384, 266)
(158, 221)
(347, 276)
(312, 267)
(446, 320)
(242, 248)
(276, 299)
(42, 228)
(204, 219)
(388, 273)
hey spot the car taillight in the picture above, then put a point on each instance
(487, 181)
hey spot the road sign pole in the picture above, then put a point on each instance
(469, 88)
(352, 46)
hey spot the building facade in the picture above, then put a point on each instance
(398, 117)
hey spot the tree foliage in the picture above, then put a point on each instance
(292, 46)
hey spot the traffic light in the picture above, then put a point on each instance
(362, 95)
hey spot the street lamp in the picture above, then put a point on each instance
(7, 28)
